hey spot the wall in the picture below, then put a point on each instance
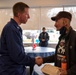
(7, 4)
(38, 3)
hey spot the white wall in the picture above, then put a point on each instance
(38, 3)
(32, 3)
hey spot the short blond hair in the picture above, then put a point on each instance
(19, 7)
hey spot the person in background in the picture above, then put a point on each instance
(13, 58)
(43, 38)
(66, 46)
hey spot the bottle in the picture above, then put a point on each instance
(64, 63)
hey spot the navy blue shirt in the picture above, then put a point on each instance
(13, 59)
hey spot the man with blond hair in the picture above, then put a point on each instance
(13, 58)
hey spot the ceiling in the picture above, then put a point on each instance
(38, 3)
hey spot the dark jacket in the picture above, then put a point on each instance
(13, 59)
(70, 47)
(43, 35)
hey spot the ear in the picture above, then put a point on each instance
(64, 21)
(18, 15)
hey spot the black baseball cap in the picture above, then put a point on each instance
(62, 14)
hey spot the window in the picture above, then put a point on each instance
(39, 17)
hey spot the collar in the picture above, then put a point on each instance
(67, 35)
(16, 24)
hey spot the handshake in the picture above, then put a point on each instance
(38, 60)
(59, 71)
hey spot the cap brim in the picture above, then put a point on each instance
(53, 18)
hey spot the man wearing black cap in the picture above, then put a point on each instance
(66, 47)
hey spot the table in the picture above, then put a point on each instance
(39, 51)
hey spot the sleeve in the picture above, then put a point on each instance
(72, 70)
(16, 49)
(49, 59)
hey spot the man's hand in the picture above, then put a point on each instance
(63, 72)
(43, 39)
(38, 60)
